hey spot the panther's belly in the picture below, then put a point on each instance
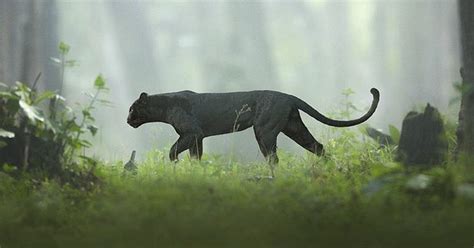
(226, 123)
(226, 112)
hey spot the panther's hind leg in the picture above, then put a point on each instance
(195, 151)
(267, 142)
(268, 145)
(272, 115)
(298, 132)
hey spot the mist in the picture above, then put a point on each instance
(409, 50)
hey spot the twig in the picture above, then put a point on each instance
(26, 148)
(245, 108)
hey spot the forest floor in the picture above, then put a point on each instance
(356, 197)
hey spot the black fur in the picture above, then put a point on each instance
(195, 116)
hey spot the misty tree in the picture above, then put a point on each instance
(465, 132)
(215, 69)
(248, 44)
(28, 39)
(136, 43)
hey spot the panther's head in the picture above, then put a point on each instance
(139, 113)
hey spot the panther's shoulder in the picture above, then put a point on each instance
(178, 94)
(187, 92)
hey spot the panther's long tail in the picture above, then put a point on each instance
(300, 104)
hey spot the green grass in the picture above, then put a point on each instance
(357, 197)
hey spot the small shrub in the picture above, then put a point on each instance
(40, 133)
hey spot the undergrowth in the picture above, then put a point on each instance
(355, 197)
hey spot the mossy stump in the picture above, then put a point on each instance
(423, 138)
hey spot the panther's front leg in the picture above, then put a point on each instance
(188, 141)
(190, 134)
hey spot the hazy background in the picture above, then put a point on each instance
(409, 50)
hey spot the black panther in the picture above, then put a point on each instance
(195, 116)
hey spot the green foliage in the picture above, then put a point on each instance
(99, 82)
(394, 133)
(64, 48)
(355, 197)
(35, 135)
(348, 106)
(6, 134)
(76, 139)
(462, 89)
(20, 101)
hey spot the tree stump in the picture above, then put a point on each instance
(423, 138)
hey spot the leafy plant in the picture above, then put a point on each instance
(347, 103)
(462, 89)
(41, 137)
(63, 62)
(394, 133)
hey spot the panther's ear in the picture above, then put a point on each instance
(143, 96)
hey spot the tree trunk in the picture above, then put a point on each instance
(249, 45)
(28, 38)
(465, 132)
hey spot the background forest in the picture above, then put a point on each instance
(69, 71)
(409, 50)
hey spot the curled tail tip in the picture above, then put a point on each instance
(375, 92)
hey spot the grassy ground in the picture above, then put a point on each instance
(357, 197)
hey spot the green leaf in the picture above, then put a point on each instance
(71, 63)
(2, 144)
(3, 85)
(55, 60)
(12, 106)
(73, 127)
(347, 92)
(105, 102)
(51, 126)
(90, 95)
(93, 129)
(31, 112)
(23, 87)
(85, 143)
(63, 48)
(74, 144)
(87, 159)
(394, 133)
(463, 88)
(45, 95)
(99, 82)
(6, 134)
(86, 113)
(8, 95)
(59, 98)
(8, 168)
